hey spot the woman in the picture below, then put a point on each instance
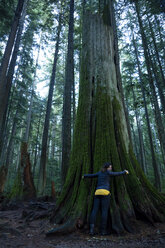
(102, 195)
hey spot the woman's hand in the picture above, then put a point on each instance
(127, 172)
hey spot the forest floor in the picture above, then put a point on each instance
(21, 226)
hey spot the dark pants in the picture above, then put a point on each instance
(104, 202)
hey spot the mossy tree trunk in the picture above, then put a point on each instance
(101, 135)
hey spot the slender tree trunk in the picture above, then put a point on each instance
(5, 160)
(158, 81)
(6, 74)
(161, 38)
(69, 82)
(29, 115)
(154, 161)
(156, 52)
(42, 174)
(141, 147)
(74, 106)
(101, 135)
(158, 118)
(37, 145)
(53, 137)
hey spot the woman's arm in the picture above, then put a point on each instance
(111, 173)
(90, 175)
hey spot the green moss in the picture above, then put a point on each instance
(17, 189)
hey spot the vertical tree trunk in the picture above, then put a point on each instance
(156, 52)
(141, 147)
(37, 145)
(157, 80)
(101, 135)
(42, 174)
(154, 161)
(7, 76)
(69, 82)
(29, 191)
(160, 35)
(158, 118)
(117, 60)
(29, 115)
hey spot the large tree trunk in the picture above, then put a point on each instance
(101, 135)
(69, 82)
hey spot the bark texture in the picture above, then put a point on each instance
(42, 176)
(29, 191)
(101, 135)
(68, 88)
(7, 66)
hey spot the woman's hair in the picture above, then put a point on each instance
(105, 166)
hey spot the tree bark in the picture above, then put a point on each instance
(154, 161)
(29, 191)
(141, 147)
(156, 52)
(6, 70)
(101, 135)
(158, 118)
(42, 173)
(69, 82)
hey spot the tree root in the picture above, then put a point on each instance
(65, 228)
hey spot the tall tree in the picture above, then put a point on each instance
(69, 82)
(101, 135)
(42, 174)
(6, 79)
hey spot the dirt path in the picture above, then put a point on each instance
(16, 231)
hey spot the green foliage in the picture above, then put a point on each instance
(7, 8)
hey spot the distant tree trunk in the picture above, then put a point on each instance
(154, 161)
(29, 191)
(6, 159)
(42, 173)
(37, 144)
(69, 82)
(73, 106)
(156, 52)
(158, 118)
(53, 138)
(53, 192)
(101, 135)
(133, 136)
(29, 115)
(160, 36)
(2, 178)
(141, 147)
(6, 70)
(157, 80)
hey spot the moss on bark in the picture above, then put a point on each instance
(101, 135)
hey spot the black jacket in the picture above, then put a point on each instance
(103, 181)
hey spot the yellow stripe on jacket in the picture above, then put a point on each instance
(102, 192)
